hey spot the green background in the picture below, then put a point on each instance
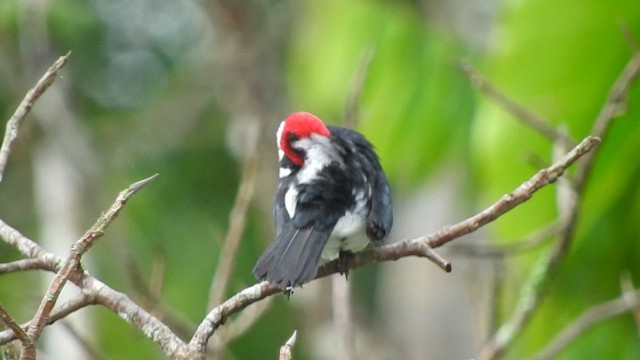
(153, 91)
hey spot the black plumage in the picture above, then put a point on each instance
(345, 182)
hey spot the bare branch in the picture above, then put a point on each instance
(11, 132)
(62, 311)
(589, 318)
(414, 247)
(26, 264)
(626, 284)
(171, 344)
(533, 291)
(237, 224)
(79, 248)
(139, 318)
(395, 251)
(435, 258)
(218, 315)
(27, 246)
(15, 328)
(285, 350)
(632, 42)
(150, 297)
(240, 324)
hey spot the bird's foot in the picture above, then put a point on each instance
(288, 291)
(343, 262)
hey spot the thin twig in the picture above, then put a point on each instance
(60, 312)
(219, 314)
(11, 132)
(240, 324)
(26, 264)
(120, 304)
(237, 225)
(27, 246)
(626, 285)
(632, 42)
(538, 283)
(157, 279)
(352, 105)
(161, 335)
(150, 298)
(521, 113)
(79, 248)
(96, 292)
(15, 328)
(434, 257)
(589, 318)
(285, 350)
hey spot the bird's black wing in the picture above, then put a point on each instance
(380, 218)
(364, 160)
(292, 258)
(280, 214)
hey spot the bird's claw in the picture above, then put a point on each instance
(288, 291)
(343, 263)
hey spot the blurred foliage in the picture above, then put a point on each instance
(560, 59)
(141, 83)
(415, 108)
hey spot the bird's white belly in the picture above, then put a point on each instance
(335, 245)
(341, 238)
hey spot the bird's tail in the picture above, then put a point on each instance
(292, 258)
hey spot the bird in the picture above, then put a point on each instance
(331, 186)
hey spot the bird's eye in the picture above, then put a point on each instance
(291, 137)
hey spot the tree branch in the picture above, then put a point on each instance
(11, 132)
(138, 317)
(27, 246)
(535, 288)
(174, 347)
(414, 247)
(218, 315)
(62, 311)
(18, 331)
(237, 225)
(73, 260)
(26, 264)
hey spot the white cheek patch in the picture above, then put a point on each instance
(279, 134)
(284, 172)
(318, 154)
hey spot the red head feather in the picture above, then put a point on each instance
(299, 125)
